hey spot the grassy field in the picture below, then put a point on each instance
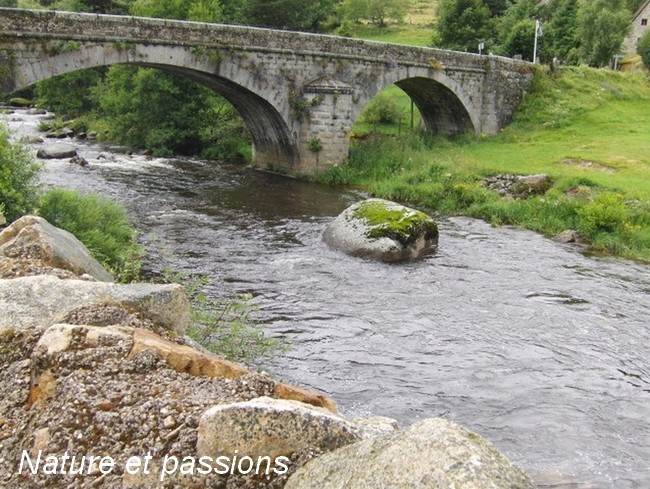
(588, 129)
(416, 30)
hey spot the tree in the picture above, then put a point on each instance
(200, 10)
(297, 15)
(462, 24)
(69, 95)
(497, 7)
(603, 25)
(561, 32)
(377, 11)
(521, 39)
(97, 6)
(643, 48)
(633, 5)
(513, 15)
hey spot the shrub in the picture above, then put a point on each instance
(382, 110)
(606, 214)
(100, 224)
(225, 326)
(18, 178)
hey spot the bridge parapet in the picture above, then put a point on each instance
(299, 93)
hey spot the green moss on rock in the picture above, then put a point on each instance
(396, 222)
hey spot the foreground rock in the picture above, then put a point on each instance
(40, 301)
(34, 238)
(56, 151)
(433, 453)
(271, 427)
(382, 230)
(571, 236)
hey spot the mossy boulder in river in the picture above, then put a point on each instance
(382, 230)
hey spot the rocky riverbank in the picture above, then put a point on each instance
(95, 369)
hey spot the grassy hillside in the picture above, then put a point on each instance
(588, 129)
(417, 28)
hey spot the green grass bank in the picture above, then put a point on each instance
(587, 129)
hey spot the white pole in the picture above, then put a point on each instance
(535, 47)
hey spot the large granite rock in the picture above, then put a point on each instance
(433, 453)
(382, 230)
(33, 238)
(270, 427)
(56, 151)
(43, 300)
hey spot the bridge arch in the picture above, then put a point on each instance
(443, 104)
(272, 138)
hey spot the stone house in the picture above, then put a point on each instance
(640, 24)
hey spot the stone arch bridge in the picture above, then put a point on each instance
(299, 93)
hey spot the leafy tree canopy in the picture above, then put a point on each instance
(462, 24)
(200, 10)
(296, 15)
(521, 39)
(603, 27)
(561, 31)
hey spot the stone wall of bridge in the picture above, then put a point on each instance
(299, 94)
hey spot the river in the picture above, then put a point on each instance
(543, 350)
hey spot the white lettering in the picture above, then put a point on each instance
(26, 458)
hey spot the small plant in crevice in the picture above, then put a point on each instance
(316, 146)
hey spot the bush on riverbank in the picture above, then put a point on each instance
(18, 178)
(587, 129)
(100, 224)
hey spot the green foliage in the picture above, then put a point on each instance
(226, 327)
(515, 13)
(606, 214)
(521, 39)
(634, 5)
(100, 224)
(199, 10)
(377, 11)
(497, 7)
(100, 6)
(561, 32)
(643, 48)
(383, 109)
(315, 145)
(463, 24)
(161, 112)
(18, 178)
(69, 95)
(287, 14)
(603, 26)
(9, 3)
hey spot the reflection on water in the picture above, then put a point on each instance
(544, 351)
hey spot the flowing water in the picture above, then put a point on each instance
(543, 350)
